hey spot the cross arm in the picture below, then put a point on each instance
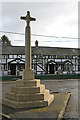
(23, 18)
(26, 18)
(32, 19)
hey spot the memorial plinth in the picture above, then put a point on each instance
(28, 74)
(28, 92)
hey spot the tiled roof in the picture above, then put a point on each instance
(6, 49)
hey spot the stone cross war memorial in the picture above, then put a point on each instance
(28, 92)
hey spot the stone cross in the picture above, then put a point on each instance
(28, 19)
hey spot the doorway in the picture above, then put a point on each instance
(13, 69)
(51, 68)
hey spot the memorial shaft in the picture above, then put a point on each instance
(28, 19)
(27, 47)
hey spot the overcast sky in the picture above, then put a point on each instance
(52, 19)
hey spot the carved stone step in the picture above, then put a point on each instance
(49, 99)
(27, 90)
(28, 104)
(28, 83)
(27, 97)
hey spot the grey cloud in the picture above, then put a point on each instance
(46, 13)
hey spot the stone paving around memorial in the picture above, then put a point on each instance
(55, 110)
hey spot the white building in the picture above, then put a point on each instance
(45, 60)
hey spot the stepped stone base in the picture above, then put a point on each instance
(28, 93)
(28, 104)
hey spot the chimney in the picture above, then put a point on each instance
(36, 43)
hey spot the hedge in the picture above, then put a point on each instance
(42, 77)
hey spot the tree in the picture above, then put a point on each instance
(5, 39)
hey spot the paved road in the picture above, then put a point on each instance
(66, 86)
(58, 86)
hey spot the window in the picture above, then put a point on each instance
(15, 56)
(35, 56)
(23, 56)
(11, 56)
(6, 56)
(46, 56)
(49, 56)
(3, 60)
(21, 66)
(65, 56)
(74, 57)
(3, 56)
(19, 56)
(68, 67)
(3, 67)
(54, 56)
